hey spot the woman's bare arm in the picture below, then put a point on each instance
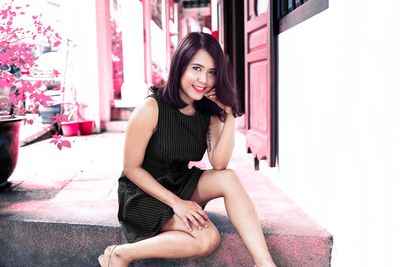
(220, 140)
(140, 128)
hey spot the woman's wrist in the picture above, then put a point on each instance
(172, 200)
(228, 110)
(229, 116)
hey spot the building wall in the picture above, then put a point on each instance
(83, 71)
(134, 88)
(339, 126)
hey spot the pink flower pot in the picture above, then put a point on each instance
(86, 127)
(70, 128)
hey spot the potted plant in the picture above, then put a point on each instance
(75, 122)
(73, 110)
(9, 146)
(21, 98)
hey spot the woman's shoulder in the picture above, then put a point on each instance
(147, 111)
(156, 97)
(149, 104)
(143, 120)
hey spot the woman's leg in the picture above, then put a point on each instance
(174, 241)
(240, 209)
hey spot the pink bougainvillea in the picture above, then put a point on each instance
(59, 142)
(19, 96)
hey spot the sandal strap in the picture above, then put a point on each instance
(109, 256)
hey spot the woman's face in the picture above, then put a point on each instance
(198, 78)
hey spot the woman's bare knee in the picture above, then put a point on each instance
(227, 175)
(209, 241)
(229, 180)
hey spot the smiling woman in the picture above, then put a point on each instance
(161, 199)
(198, 78)
(186, 68)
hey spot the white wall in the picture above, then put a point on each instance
(83, 71)
(339, 126)
(87, 24)
(134, 88)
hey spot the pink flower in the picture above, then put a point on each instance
(59, 118)
(56, 73)
(59, 142)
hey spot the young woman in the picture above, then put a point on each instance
(161, 200)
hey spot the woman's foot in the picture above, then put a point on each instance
(267, 265)
(111, 259)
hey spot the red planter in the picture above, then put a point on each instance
(86, 127)
(70, 128)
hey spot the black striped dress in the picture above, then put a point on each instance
(178, 139)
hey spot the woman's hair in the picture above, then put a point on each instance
(184, 53)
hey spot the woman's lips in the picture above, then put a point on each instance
(199, 89)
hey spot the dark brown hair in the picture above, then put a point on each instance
(184, 53)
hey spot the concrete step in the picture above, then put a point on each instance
(79, 234)
(121, 110)
(118, 126)
(66, 216)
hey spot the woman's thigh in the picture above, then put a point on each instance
(214, 184)
(176, 224)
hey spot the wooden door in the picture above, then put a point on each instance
(259, 82)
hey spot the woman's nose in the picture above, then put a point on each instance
(203, 78)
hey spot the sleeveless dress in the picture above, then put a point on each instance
(178, 139)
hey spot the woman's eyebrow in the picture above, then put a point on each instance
(198, 64)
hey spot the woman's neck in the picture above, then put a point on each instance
(188, 110)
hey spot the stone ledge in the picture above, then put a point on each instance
(75, 233)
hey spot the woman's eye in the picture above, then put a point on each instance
(212, 72)
(196, 68)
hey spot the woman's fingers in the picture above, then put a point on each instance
(203, 216)
(201, 221)
(192, 214)
(202, 213)
(186, 222)
(189, 220)
(211, 94)
(194, 220)
(213, 97)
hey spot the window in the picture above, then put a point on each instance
(292, 12)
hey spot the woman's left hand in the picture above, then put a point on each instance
(213, 97)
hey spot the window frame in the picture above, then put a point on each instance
(292, 12)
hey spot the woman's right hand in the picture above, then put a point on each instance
(190, 213)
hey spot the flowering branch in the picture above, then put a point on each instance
(16, 59)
